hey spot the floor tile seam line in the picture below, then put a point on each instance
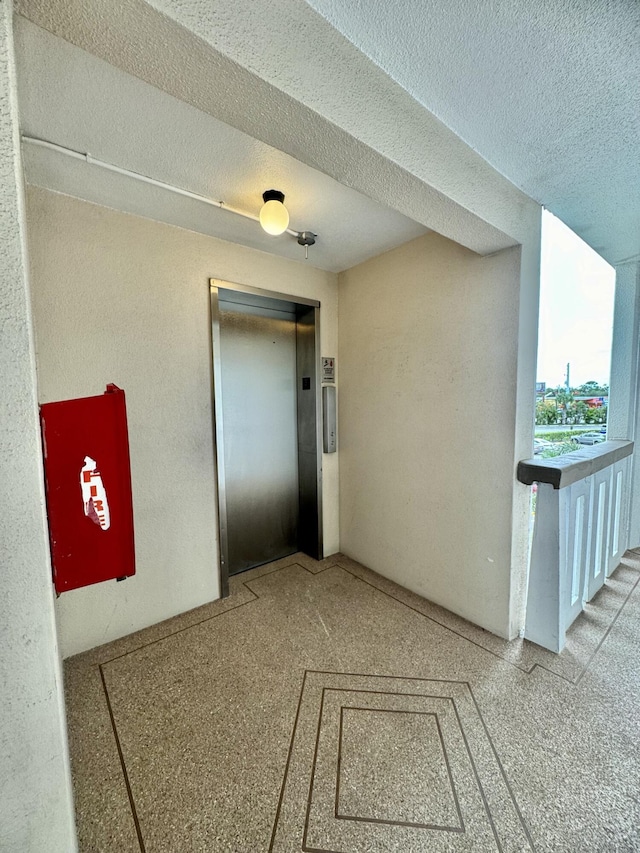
(182, 630)
(571, 681)
(395, 710)
(435, 621)
(450, 699)
(608, 631)
(378, 675)
(123, 766)
(336, 801)
(288, 566)
(305, 847)
(215, 615)
(406, 823)
(502, 771)
(282, 568)
(272, 572)
(336, 811)
(584, 669)
(312, 778)
(322, 570)
(490, 651)
(340, 816)
(452, 783)
(324, 559)
(287, 764)
(389, 693)
(479, 783)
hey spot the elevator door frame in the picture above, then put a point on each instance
(307, 314)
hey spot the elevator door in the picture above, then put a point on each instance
(258, 377)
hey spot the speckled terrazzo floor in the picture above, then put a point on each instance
(323, 708)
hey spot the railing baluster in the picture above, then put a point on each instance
(579, 534)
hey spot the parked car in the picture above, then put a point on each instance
(590, 438)
(540, 444)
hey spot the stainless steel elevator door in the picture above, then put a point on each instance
(258, 373)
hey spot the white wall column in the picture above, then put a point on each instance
(36, 805)
(528, 310)
(624, 418)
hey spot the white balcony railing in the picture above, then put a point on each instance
(579, 534)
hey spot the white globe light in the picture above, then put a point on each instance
(274, 216)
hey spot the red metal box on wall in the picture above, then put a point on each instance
(88, 484)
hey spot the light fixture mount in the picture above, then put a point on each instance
(273, 195)
(306, 238)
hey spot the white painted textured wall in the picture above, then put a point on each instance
(525, 371)
(36, 806)
(122, 299)
(428, 359)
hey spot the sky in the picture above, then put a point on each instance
(576, 308)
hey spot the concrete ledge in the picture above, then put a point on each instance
(562, 471)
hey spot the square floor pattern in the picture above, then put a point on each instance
(321, 707)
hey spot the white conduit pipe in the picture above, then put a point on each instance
(87, 158)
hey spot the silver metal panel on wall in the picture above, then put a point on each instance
(216, 377)
(309, 455)
(267, 425)
(329, 433)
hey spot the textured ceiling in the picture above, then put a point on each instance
(547, 92)
(71, 98)
(280, 73)
(452, 113)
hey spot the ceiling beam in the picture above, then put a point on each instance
(354, 124)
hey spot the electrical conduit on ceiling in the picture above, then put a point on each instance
(304, 238)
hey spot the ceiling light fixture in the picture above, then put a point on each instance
(274, 216)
